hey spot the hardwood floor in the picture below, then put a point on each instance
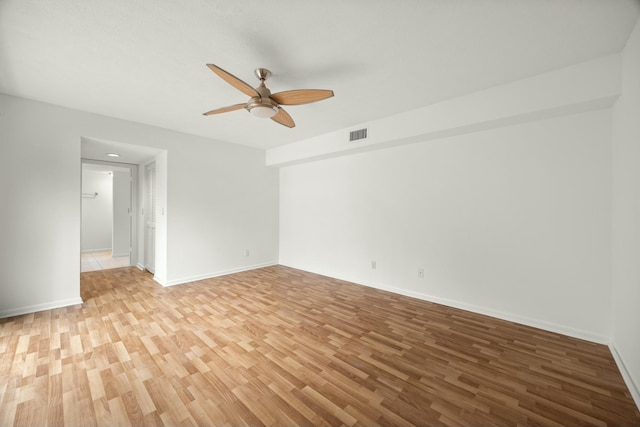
(278, 346)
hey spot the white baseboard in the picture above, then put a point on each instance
(634, 389)
(511, 317)
(39, 307)
(140, 266)
(215, 274)
(120, 255)
(95, 250)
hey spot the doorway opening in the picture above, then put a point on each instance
(147, 166)
(108, 204)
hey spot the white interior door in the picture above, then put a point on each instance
(122, 213)
(149, 215)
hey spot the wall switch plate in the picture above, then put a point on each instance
(421, 273)
(373, 265)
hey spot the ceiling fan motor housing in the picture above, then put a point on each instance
(262, 106)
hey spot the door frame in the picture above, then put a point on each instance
(145, 211)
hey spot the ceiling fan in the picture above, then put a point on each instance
(263, 103)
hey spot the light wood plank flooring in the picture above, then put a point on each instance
(278, 346)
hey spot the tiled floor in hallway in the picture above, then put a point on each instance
(102, 260)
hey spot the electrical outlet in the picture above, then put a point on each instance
(421, 273)
(246, 252)
(373, 265)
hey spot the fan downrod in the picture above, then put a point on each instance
(262, 74)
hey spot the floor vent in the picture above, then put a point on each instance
(357, 134)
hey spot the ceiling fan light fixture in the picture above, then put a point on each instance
(263, 111)
(262, 107)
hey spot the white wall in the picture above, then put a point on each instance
(97, 212)
(40, 208)
(225, 203)
(626, 217)
(581, 87)
(161, 242)
(205, 182)
(513, 221)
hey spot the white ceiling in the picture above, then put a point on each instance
(144, 60)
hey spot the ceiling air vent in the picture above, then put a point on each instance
(357, 134)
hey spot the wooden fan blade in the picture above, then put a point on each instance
(224, 109)
(283, 118)
(301, 96)
(234, 81)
